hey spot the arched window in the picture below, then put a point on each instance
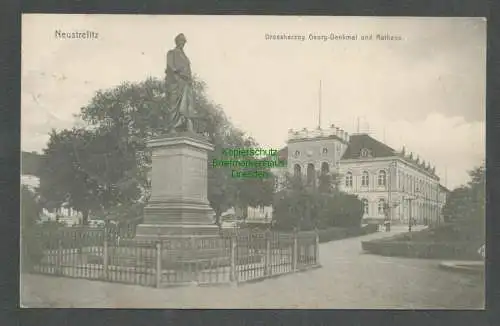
(311, 175)
(381, 206)
(364, 152)
(348, 179)
(297, 170)
(297, 153)
(365, 206)
(365, 180)
(325, 151)
(382, 178)
(325, 169)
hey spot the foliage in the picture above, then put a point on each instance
(30, 214)
(103, 168)
(328, 182)
(30, 208)
(338, 233)
(465, 205)
(82, 171)
(457, 250)
(342, 210)
(305, 208)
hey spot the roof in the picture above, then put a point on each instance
(360, 141)
(282, 155)
(444, 188)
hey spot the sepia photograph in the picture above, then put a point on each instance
(252, 162)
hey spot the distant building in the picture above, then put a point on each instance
(379, 175)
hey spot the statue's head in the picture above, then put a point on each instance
(180, 40)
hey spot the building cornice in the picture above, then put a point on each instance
(317, 138)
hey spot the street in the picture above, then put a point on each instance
(348, 279)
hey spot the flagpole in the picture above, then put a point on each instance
(319, 105)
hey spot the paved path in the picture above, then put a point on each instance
(348, 279)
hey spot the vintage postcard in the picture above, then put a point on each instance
(252, 162)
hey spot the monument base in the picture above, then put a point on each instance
(178, 212)
(175, 231)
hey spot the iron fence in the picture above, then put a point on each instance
(102, 254)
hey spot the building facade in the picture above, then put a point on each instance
(389, 182)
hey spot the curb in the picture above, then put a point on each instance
(465, 267)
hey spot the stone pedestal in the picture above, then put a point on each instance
(178, 205)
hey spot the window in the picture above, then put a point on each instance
(348, 179)
(381, 206)
(364, 152)
(311, 175)
(365, 179)
(297, 153)
(325, 150)
(365, 206)
(325, 168)
(297, 170)
(381, 178)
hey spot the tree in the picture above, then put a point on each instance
(104, 166)
(30, 208)
(61, 181)
(457, 207)
(82, 172)
(30, 215)
(328, 182)
(477, 186)
(465, 206)
(306, 208)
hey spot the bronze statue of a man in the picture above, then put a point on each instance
(179, 87)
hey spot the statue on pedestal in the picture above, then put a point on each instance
(179, 89)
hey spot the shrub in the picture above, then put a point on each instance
(30, 212)
(342, 210)
(462, 250)
(308, 209)
(332, 234)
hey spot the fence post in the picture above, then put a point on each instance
(295, 250)
(267, 260)
(105, 256)
(233, 274)
(158, 264)
(59, 256)
(316, 247)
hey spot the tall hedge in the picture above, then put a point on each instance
(305, 207)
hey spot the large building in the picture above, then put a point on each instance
(379, 175)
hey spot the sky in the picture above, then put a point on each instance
(424, 90)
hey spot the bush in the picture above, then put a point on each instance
(430, 250)
(332, 234)
(309, 209)
(31, 250)
(30, 212)
(444, 242)
(342, 210)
